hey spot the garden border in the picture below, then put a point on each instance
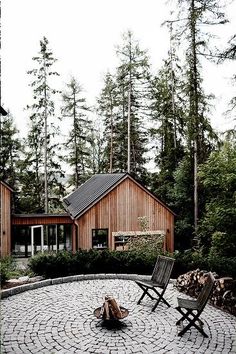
(71, 278)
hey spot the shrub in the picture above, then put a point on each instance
(223, 266)
(8, 266)
(189, 260)
(52, 265)
(186, 261)
(223, 245)
(147, 243)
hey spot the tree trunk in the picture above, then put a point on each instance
(194, 88)
(45, 146)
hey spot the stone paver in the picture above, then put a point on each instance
(58, 319)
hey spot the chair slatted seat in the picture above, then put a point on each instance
(191, 309)
(159, 279)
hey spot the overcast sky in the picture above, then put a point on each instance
(82, 35)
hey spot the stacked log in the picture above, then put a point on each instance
(224, 291)
(191, 282)
(224, 294)
(110, 309)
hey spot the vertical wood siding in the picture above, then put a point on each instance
(41, 220)
(5, 229)
(119, 211)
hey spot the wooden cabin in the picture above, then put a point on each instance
(110, 205)
(5, 218)
(102, 213)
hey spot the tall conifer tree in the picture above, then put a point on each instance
(124, 103)
(41, 162)
(78, 144)
(9, 151)
(108, 110)
(196, 13)
(168, 131)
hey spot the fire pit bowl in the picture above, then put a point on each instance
(98, 313)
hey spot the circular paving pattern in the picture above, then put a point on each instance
(59, 319)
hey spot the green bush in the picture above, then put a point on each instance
(223, 245)
(52, 265)
(189, 260)
(223, 266)
(186, 261)
(8, 266)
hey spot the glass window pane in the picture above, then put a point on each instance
(100, 238)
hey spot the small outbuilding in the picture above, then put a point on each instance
(107, 210)
(5, 218)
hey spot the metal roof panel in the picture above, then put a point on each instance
(89, 192)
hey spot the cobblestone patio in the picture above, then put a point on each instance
(59, 319)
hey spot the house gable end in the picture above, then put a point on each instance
(88, 194)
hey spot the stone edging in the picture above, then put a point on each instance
(39, 284)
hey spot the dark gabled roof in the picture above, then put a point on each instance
(7, 185)
(94, 189)
(90, 192)
(2, 111)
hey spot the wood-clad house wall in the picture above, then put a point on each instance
(5, 221)
(119, 211)
(40, 220)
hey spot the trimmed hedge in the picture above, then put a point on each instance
(61, 264)
(53, 265)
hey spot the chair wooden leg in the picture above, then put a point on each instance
(142, 296)
(192, 322)
(145, 292)
(184, 315)
(160, 297)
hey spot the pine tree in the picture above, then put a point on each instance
(230, 51)
(41, 163)
(79, 141)
(124, 104)
(168, 131)
(97, 151)
(133, 81)
(107, 109)
(195, 13)
(9, 151)
(230, 54)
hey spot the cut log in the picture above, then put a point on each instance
(114, 307)
(110, 309)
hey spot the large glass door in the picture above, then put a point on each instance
(37, 239)
(29, 240)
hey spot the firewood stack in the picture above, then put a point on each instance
(191, 283)
(224, 294)
(110, 309)
(224, 291)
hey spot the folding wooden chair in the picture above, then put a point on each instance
(160, 279)
(191, 309)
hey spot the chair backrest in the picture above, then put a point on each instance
(162, 270)
(206, 291)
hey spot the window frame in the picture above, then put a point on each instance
(101, 245)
